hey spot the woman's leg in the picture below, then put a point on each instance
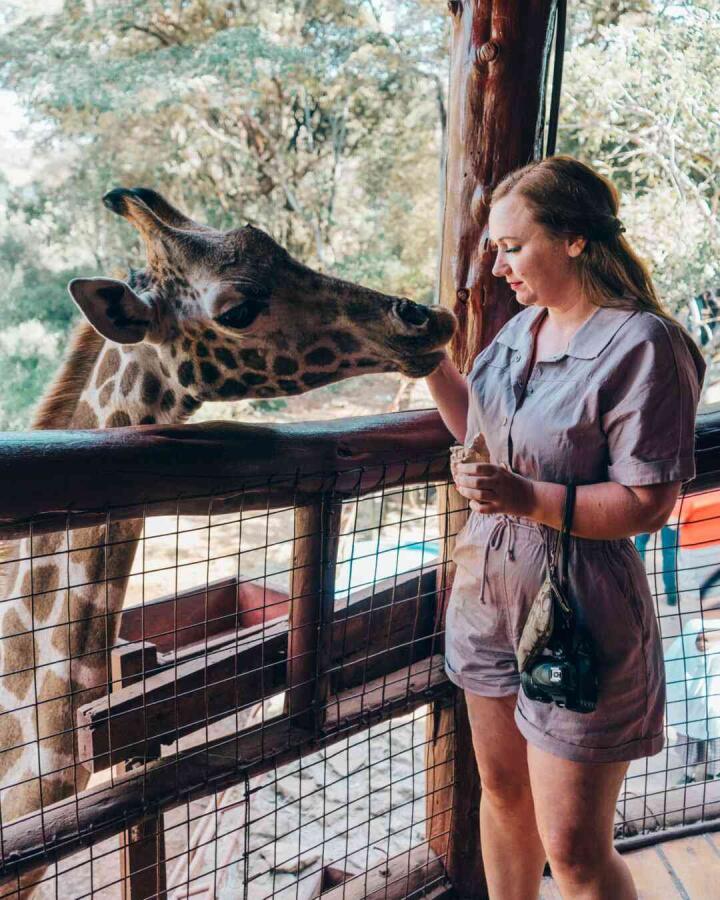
(575, 812)
(512, 852)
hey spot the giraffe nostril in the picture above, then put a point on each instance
(412, 313)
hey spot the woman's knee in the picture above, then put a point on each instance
(574, 850)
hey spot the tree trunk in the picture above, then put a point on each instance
(499, 55)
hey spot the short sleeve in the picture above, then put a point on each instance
(649, 410)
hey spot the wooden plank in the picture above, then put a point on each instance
(102, 811)
(651, 874)
(199, 614)
(142, 845)
(314, 551)
(392, 879)
(214, 466)
(499, 56)
(185, 695)
(695, 864)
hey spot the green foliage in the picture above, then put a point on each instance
(640, 104)
(319, 120)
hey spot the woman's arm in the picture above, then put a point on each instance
(604, 511)
(450, 393)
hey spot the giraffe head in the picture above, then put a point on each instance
(233, 315)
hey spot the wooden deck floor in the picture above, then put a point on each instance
(687, 868)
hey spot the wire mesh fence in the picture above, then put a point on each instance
(233, 693)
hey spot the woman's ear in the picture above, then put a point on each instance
(575, 245)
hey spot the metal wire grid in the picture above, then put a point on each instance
(680, 786)
(254, 548)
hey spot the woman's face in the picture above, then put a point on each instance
(537, 265)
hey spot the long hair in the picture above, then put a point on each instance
(570, 198)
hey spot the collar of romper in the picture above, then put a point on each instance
(589, 340)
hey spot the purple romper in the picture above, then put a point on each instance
(618, 405)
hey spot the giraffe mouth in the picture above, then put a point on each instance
(423, 364)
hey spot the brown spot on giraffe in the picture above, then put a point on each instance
(129, 377)
(46, 580)
(119, 419)
(18, 653)
(150, 390)
(84, 416)
(106, 393)
(109, 364)
(13, 738)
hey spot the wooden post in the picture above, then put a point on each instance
(311, 603)
(142, 846)
(499, 57)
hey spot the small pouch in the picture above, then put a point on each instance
(539, 624)
(540, 621)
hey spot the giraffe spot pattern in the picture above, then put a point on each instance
(106, 393)
(209, 373)
(150, 390)
(323, 356)
(109, 364)
(129, 377)
(315, 379)
(18, 654)
(285, 365)
(201, 350)
(365, 362)
(267, 391)
(209, 334)
(118, 419)
(254, 379)
(45, 583)
(55, 713)
(186, 373)
(225, 357)
(253, 359)
(147, 420)
(186, 344)
(84, 416)
(11, 739)
(232, 389)
(345, 342)
(167, 401)
(189, 403)
(289, 387)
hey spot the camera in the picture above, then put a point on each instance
(565, 675)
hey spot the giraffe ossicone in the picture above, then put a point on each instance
(212, 316)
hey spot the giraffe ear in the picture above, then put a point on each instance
(113, 309)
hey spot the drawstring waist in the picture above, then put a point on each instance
(504, 523)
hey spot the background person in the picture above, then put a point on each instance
(593, 383)
(692, 671)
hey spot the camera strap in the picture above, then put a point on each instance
(559, 560)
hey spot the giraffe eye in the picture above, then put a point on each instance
(242, 315)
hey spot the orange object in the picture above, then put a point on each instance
(698, 516)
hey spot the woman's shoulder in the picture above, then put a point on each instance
(661, 340)
(667, 336)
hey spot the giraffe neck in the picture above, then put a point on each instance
(64, 594)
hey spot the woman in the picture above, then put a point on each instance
(592, 383)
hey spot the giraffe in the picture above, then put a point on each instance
(213, 316)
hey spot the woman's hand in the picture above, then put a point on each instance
(494, 489)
